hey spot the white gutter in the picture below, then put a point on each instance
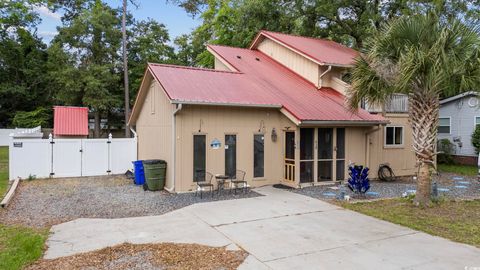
(174, 143)
(321, 76)
(342, 123)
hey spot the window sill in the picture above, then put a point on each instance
(259, 179)
(393, 146)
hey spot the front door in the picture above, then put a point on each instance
(289, 167)
(230, 155)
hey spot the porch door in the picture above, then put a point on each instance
(331, 154)
(325, 154)
(307, 159)
(289, 167)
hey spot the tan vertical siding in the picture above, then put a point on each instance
(154, 127)
(297, 63)
(401, 158)
(220, 66)
(216, 122)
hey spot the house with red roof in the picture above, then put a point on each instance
(70, 122)
(275, 110)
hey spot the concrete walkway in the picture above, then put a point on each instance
(281, 230)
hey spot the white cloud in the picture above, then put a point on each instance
(47, 34)
(43, 10)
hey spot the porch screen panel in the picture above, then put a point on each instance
(258, 155)
(199, 157)
(340, 171)
(306, 154)
(325, 154)
(230, 155)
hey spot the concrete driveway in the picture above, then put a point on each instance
(280, 230)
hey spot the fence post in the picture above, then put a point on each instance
(50, 138)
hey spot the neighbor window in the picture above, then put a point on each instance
(393, 136)
(258, 155)
(477, 120)
(444, 125)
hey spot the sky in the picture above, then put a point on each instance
(177, 21)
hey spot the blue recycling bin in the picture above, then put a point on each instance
(139, 172)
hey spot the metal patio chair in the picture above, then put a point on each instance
(237, 179)
(203, 184)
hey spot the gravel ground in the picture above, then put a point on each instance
(449, 185)
(45, 202)
(149, 257)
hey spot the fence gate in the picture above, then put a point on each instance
(71, 157)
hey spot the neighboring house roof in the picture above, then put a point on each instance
(459, 96)
(321, 51)
(71, 121)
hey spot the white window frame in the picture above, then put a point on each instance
(449, 124)
(385, 145)
(475, 122)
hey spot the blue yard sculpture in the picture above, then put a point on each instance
(358, 181)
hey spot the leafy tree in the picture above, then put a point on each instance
(39, 117)
(148, 43)
(236, 22)
(85, 62)
(424, 57)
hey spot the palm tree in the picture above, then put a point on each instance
(426, 58)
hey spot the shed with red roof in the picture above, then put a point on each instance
(274, 113)
(70, 122)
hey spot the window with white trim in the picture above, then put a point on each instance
(444, 125)
(393, 136)
(477, 120)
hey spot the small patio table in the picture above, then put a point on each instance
(221, 181)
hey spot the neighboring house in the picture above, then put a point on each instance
(458, 118)
(276, 110)
(70, 122)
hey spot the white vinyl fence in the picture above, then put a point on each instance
(70, 157)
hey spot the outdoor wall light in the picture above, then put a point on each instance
(274, 135)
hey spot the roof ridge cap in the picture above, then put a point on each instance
(194, 68)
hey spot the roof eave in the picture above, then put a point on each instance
(225, 104)
(343, 123)
(443, 101)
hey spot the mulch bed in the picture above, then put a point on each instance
(148, 256)
(449, 185)
(46, 202)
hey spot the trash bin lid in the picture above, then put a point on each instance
(154, 161)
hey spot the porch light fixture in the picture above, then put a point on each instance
(274, 135)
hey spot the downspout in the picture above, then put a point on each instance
(174, 143)
(367, 146)
(321, 76)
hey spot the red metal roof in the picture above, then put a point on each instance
(260, 82)
(322, 51)
(70, 121)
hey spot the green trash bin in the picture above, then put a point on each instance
(155, 173)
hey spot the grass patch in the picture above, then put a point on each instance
(467, 170)
(457, 221)
(3, 170)
(20, 246)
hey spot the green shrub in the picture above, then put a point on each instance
(476, 138)
(445, 147)
(39, 117)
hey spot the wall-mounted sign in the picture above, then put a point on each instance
(215, 144)
(17, 144)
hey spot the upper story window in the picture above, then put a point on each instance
(444, 125)
(477, 120)
(393, 136)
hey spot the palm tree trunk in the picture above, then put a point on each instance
(424, 121)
